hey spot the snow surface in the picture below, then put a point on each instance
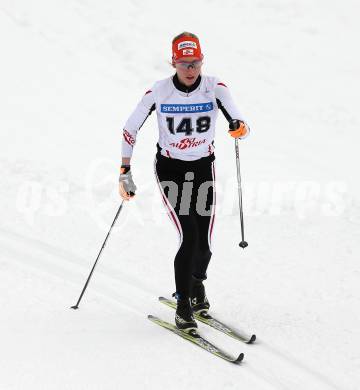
(70, 74)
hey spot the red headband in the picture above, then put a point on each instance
(186, 47)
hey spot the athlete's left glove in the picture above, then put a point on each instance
(238, 129)
(127, 187)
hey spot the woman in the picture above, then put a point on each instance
(186, 104)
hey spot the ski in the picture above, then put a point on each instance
(214, 323)
(194, 337)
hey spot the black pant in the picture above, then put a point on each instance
(188, 193)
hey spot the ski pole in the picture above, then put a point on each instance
(243, 244)
(98, 256)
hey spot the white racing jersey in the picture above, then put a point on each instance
(186, 119)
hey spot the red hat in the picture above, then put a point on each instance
(186, 47)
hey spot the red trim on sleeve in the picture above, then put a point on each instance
(222, 84)
(149, 91)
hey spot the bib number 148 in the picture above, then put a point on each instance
(185, 126)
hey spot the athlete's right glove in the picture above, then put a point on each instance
(238, 129)
(127, 187)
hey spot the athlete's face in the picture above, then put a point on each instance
(188, 70)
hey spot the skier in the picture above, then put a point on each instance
(186, 105)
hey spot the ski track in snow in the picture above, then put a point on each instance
(64, 264)
(34, 255)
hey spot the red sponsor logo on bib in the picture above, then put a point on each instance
(188, 143)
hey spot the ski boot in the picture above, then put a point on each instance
(199, 301)
(184, 318)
